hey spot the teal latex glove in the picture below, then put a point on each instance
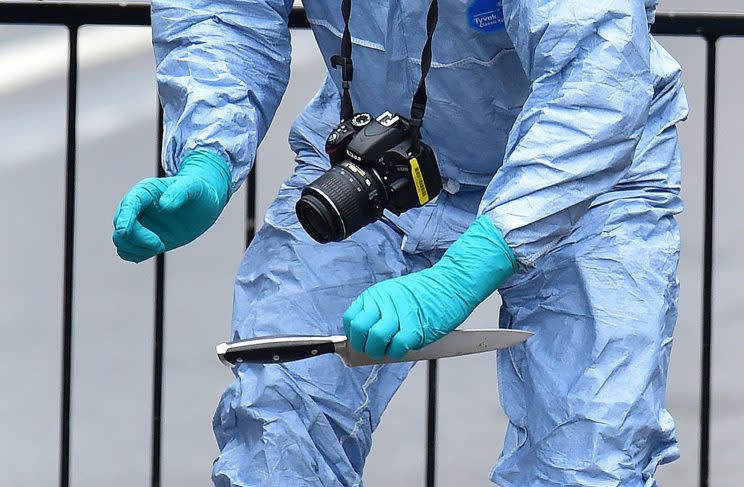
(161, 214)
(411, 311)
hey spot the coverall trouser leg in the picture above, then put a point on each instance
(309, 422)
(585, 395)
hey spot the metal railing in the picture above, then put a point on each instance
(710, 27)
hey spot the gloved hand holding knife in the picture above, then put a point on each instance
(409, 312)
(401, 318)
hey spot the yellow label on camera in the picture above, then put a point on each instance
(418, 181)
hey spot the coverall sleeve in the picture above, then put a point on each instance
(591, 87)
(222, 68)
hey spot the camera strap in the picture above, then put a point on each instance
(418, 106)
(343, 60)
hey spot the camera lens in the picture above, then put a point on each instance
(318, 219)
(339, 203)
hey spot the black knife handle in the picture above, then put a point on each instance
(248, 351)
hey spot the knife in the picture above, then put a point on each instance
(279, 349)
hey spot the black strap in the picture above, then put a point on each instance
(418, 106)
(344, 60)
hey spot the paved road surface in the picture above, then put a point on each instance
(113, 299)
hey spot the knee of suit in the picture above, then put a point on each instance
(281, 420)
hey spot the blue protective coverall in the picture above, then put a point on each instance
(556, 119)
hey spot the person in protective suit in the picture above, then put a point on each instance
(554, 126)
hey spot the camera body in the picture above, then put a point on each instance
(375, 165)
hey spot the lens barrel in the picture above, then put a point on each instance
(339, 203)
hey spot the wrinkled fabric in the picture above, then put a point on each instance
(556, 120)
(307, 422)
(585, 397)
(222, 68)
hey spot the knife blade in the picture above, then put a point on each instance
(279, 349)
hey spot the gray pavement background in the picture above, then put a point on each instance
(114, 304)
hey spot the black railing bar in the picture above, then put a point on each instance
(673, 23)
(158, 340)
(69, 254)
(298, 19)
(431, 424)
(705, 386)
(77, 14)
(250, 204)
(701, 24)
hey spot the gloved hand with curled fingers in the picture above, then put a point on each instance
(412, 311)
(161, 214)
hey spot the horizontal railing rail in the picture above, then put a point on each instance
(709, 26)
(79, 14)
(699, 24)
(137, 13)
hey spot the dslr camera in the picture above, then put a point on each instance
(376, 164)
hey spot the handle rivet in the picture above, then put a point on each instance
(314, 352)
(276, 358)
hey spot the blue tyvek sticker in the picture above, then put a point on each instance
(486, 15)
